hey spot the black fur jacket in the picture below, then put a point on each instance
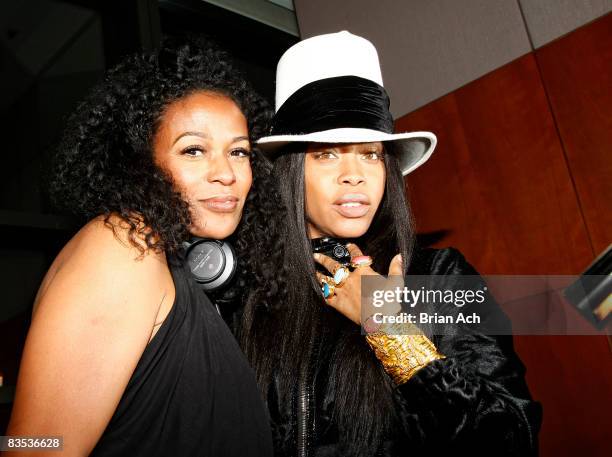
(473, 402)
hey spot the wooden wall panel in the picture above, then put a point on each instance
(577, 74)
(499, 181)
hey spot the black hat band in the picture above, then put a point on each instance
(333, 103)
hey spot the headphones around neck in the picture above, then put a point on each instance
(212, 262)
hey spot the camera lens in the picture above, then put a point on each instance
(340, 251)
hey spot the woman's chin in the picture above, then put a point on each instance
(350, 230)
(213, 231)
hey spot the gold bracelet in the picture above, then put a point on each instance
(402, 355)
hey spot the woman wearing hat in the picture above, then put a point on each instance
(331, 389)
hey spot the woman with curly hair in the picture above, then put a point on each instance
(126, 355)
(338, 380)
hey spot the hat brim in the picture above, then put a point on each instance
(415, 147)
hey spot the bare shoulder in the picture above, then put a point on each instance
(113, 235)
(105, 253)
(94, 315)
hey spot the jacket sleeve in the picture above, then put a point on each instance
(476, 399)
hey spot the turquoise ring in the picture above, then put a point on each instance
(328, 289)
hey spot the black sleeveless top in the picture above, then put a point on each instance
(192, 392)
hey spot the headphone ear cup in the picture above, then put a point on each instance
(212, 263)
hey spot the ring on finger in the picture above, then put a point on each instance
(361, 261)
(328, 288)
(341, 273)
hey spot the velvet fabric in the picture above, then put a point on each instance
(473, 402)
(332, 103)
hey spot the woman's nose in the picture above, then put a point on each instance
(350, 170)
(221, 171)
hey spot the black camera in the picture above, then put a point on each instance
(331, 247)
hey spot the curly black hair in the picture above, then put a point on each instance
(104, 164)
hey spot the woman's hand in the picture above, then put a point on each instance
(347, 297)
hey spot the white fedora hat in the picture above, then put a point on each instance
(329, 89)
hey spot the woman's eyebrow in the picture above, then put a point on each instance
(321, 147)
(200, 134)
(372, 147)
(240, 138)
